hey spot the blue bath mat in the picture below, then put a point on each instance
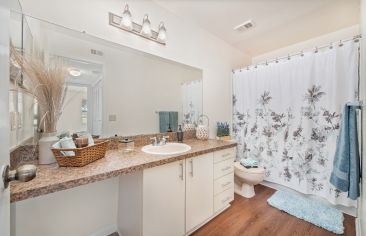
(309, 210)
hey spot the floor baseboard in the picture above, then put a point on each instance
(358, 227)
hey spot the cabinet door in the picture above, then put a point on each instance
(199, 190)
(163, 200)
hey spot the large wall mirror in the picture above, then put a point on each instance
(112, 89)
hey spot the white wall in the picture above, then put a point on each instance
(89, 210)
(363, 97)
(309, 44)
(187, 43)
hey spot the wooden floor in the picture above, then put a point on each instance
(255, 217)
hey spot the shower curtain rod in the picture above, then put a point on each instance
(356, 39)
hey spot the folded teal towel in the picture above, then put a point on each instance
(249, 162)
(168, 119)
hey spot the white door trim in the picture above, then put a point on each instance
(4, 114)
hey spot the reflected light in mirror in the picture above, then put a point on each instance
(74, 72)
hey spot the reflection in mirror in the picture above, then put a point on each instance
(113, 89)
(83, 78)
(23, 109)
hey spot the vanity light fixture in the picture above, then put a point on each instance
(126, 23)
(146, 27)
(162, 33)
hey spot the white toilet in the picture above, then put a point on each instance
(246, 178)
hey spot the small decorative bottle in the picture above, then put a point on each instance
(180, 134)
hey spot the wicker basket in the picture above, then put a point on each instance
(83, 156)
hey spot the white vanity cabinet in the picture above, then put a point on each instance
(175, 199)
(163, 199)
(223, 178)
(199, 189)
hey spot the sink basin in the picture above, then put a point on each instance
(167, 149)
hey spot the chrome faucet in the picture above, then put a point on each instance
(161, 142)
(154, 141)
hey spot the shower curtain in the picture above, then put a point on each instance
(191, 101)
(287, 116)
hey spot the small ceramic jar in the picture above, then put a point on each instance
(202, 129)
(189, 127)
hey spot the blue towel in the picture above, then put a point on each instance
(248, 162)
(168, 119)
(346, 166)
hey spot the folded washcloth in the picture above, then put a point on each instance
(248, 162)
(69, 144)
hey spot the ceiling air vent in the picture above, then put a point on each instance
(244, 26)
(96, 52)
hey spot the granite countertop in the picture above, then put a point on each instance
(51, 178)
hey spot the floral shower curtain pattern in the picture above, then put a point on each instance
(287, 116)
(191, 101)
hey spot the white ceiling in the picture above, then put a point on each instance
(278, 23)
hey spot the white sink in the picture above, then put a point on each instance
(167, 149)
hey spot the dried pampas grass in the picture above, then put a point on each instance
(46, 82)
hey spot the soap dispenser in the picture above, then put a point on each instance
(180, 134)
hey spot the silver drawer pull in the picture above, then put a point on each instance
(226, 168)
(226, 184)
(226, 155)
(226, 199)
(181, 176)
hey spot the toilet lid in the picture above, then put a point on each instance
(239, 167)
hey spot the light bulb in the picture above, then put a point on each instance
(126, 22)
(74, 72)
(162, 33)
(146, 27)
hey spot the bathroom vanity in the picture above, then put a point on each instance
(157, 194)
(176, 198)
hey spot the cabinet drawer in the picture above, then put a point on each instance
(223, 168)
(223, 199)
(223, 183)
(225, 154)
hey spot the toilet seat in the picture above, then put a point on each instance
(240, 168)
